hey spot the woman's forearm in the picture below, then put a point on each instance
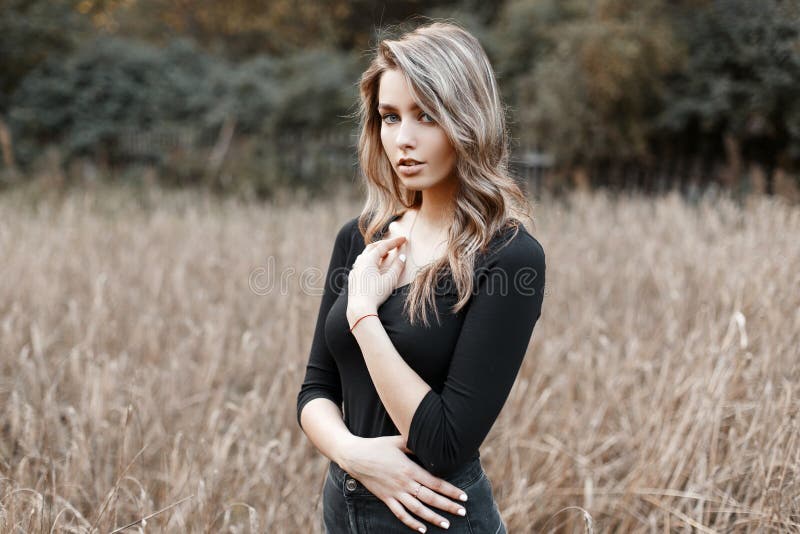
(322, 422)
(399, 387)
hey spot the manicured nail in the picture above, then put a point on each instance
(402, 257)
(421, 529)
(444, 524)
(463, 497)
(461, 511)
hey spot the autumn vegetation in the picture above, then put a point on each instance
(150, 359)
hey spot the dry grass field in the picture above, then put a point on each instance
(150, 370)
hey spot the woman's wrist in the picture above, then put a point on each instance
(347, 444)
(355, 312)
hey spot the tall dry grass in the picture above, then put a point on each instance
(144, 377)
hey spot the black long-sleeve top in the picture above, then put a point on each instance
(470, 360)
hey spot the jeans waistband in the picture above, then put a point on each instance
(463, 476)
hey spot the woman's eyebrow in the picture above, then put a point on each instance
(390, 106)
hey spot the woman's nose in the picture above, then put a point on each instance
(406, 137)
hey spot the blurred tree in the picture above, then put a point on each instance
(239, 28)
(598, 79)
(110, 96)
(122, 101)
(368, 16)
(523, 33)
(244, 28)
(32, 30)
(594, 82)
(741, 82)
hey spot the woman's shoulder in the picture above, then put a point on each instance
(513, 245)
(349, 232)
(346, 234)
(349, 227)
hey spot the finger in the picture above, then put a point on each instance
(415, 506)
(390, 254)
(385, 245)
(401, 514)
(398, 262)
(396, 266)
(388, 258)
(373, 244)
(441, 487)
(380, 256)
(431, 497)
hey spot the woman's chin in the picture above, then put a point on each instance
(414, 182)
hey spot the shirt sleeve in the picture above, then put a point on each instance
(322, 375)
(448, 427)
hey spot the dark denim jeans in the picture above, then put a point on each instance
(349, 508)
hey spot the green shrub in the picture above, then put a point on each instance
(124, 102)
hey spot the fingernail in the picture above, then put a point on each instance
(421, 529)
(461, 511)
(463, 497)
(444, 524)
(402, 257)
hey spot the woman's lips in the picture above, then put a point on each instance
(409, 170)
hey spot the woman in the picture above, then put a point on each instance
(419, 399)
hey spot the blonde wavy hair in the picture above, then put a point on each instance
(452, 80)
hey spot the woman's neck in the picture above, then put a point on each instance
(435, 213)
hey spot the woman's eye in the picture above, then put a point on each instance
(394, 115)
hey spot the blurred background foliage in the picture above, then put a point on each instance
(249, 97)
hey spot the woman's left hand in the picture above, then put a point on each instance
(375, 274)
(403, 486)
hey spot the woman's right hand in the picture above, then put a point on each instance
(382, 467)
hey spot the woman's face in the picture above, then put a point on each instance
(408, 132)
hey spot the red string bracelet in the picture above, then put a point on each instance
(367, 315)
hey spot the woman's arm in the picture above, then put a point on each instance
(399, 387)
(322, 375)
(322, 422)
(381, 466)
(445, 429)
